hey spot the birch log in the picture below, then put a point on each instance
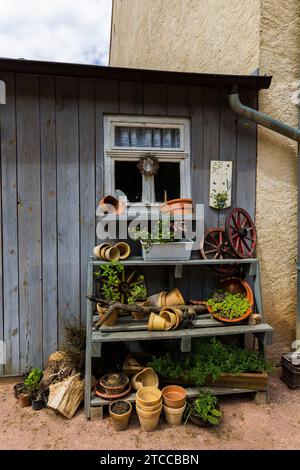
(66, 396)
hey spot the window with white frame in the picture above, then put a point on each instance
(135, 144)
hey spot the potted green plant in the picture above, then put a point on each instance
(31, 386)
(164, 243)
(229, 307)
(38, 402)
(204, 411)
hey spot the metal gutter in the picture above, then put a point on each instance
(261, 118)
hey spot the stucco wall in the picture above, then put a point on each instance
(219, 36)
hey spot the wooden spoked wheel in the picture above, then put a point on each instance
(241, 233)
(215, 245)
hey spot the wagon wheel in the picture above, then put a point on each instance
(123, 284)
(241, 233)
(215, 245)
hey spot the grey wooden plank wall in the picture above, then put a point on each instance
(52, 178)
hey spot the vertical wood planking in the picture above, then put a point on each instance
(246, 158)
(106, 101)
(87, 181)
(29, 220)
(197, 165)
(131, 98)
(1, 262)
(49, 214)
(228, 125)
(11, 328)
(211, 137)
(155, 99)
(69, 294)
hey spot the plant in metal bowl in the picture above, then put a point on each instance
(204, 411)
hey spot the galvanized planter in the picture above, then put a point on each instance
(180, 251)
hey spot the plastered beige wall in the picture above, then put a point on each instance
(236, 36)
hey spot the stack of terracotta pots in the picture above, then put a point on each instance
(174, 402)
(148, 407)
(109, 252)
(169, 318)
(166, 299)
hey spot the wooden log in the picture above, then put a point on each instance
(66, 396)
(58, 367)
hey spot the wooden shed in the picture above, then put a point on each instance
(53, 175)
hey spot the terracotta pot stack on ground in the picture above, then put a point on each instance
(174, 403)
(148, 407)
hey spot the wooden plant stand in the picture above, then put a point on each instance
(132, 330)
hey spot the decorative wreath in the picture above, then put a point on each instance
(148, 164)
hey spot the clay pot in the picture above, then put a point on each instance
(174, 297)
(98, 249)
(112, 205)
(24, 400)
(114, 383)
(156, 322)
(113, 317)
(148, 408)
(138, 315)
(120, 420)
(174, 415)
(235, 285)
(111, 254)
(174, 396)
(147, 378)
(170, 317)
(124, 249)
(148, 396)
(177, 206)
(37, 405)
(170, 312)
(149, 420)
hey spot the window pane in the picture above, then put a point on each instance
(129, 180)
(167, 179)
(156, 137)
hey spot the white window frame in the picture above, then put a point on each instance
(114, 153)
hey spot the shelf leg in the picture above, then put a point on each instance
(96, 413)
(88, 348)
(186, 344)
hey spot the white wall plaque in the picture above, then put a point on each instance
(220, 184)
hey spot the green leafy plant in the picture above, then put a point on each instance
(220, 199)
(138, 292)
(32, 382)
(226, 305)
(208, 359)
(109, 274)
(164, 232)
(204, 407)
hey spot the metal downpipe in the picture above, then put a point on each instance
(261, 118)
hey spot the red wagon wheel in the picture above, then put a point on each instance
(241, 233)
(215, 245)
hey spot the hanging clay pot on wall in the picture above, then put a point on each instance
(112, 205)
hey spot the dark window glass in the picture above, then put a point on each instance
(167, 179)
(129, 180)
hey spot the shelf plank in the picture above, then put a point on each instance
(190, 392)
(139, 261)
(107, 337)
(136, 325)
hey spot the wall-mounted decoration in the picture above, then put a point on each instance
(220, 184)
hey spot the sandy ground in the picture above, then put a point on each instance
(245, 426)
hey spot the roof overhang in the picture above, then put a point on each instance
(129, 74)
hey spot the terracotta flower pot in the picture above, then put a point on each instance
(172, 311)
(174, 415)
(156, 322)
(148, 408)
(112, 320)
(235, 285)
(174, 396)
(98, 249)
(149, 420)
(148, 396)
(174, 297)
(170, 317)
(112, 205)
(124, 249)
(111, 254)
(120, 419)
(147, 378)
(114, 383)
(25, 400)
(177, 206)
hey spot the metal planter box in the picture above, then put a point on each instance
(168, 251)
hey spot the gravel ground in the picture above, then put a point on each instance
(245, 426)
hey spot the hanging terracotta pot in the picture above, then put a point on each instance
(111, 204)
(124, 249)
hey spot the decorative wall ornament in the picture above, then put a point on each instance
(148, 164)
(220, 184)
